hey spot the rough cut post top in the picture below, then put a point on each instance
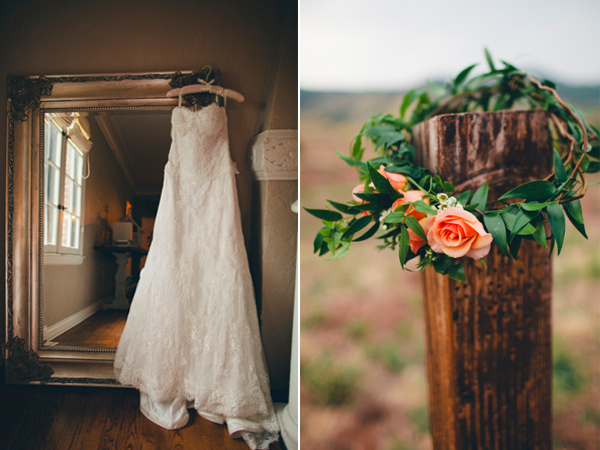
(504, 148)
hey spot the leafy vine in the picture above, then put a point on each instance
(423, 216)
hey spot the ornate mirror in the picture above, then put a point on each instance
(85, 165)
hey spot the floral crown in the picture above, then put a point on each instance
(423, 216)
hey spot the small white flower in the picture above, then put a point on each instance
(384, 214)
(459, 206)
(443, 198)
(452, 201)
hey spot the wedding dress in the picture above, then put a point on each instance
(192, 337)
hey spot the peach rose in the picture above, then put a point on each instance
(397, 180)
(411, 196)
(415, 241)
(358, 190)
(457, 233)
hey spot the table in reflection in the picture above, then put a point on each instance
(122, 253)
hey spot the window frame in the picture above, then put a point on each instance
(58, 253)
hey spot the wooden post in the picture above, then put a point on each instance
(489, 353)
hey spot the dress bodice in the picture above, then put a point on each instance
(200, 143)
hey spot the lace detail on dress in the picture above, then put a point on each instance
(192, 330)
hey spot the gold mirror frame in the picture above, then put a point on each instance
(28, 360)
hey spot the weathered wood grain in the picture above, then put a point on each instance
(489, 357)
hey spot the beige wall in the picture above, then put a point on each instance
(106, 192)
(253, 43)
(275, 240)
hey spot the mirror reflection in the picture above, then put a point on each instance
(103, 172)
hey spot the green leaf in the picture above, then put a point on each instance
(514, 246)
(481, 260)
(357, 225)
(349, 160)
(423, 207)
(509, 66)
(346, 209)
(574, 209)
(370, 232)
(464, 197)
(556, 217)
(533, 190)
(443, 264)
(357, 148)
(448, 187)
(523, 218)
(416, 227)
(540, 235)
(406, 101)
(490, 62)
(438, 185)
(535, 206)
(593, 167)
(319, 238)
(377, 198)
(407, 169)
(324, 214)
(395, 217)
(495, 226)
(403, 246)
(552, 241)
(385, 135)
(527, 230)
(370, 207)
(585, 164)
(324, 248)
(381, 183)
(559, 168)
(332, 246)
(594, 151)
(509, 215)
(463, 75)
(480, 197)
(575, 215)
(457, 272)
(341, 252)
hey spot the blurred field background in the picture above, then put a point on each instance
(363, 379)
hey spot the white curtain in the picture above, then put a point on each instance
(77, 128)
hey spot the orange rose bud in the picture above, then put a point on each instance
(358, 190)
(397, 180)
(411, 196)
(415, 241)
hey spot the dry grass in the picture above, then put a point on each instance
(363, 332)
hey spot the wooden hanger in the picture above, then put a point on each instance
(206, 87)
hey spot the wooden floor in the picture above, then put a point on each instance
(102, 329)
(87, 418)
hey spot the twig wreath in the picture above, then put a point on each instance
(423, 216)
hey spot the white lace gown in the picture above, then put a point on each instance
(192, 338)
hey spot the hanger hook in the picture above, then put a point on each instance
(209, 72)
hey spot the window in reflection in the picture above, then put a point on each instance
(63, 171)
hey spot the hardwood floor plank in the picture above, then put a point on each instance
(119, 403)
(67, 424)
(130, 426)
(186, 437)
(153, 437)
(39, 413)
(84, 418)
(102, 329)
(93, 416)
